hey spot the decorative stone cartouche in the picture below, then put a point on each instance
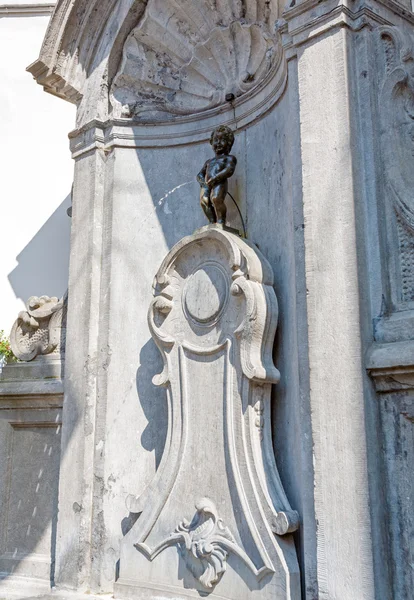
(213, 319)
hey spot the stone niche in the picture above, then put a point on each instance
(150, 81)
(215, 519)
(390, 359)
(187, 57)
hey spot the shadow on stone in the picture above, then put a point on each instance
(153, 400)
(128, 522)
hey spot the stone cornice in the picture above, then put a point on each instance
(26, 10)
(40, 378)
(391, 366)
(309, 6)
(310, 19)
(187, 130)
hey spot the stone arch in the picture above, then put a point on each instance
(151, 62)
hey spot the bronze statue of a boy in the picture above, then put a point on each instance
(213, 176)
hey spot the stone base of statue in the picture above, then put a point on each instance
(215, 520)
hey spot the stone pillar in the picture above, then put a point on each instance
(79, 455)
(353, 77)
(334, 339)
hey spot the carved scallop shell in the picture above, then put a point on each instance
(187, 56)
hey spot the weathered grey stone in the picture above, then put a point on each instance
(31, 398)
(324, 185)
(29, 591)
(391, 367)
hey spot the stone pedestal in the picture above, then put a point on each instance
(211, 520)
(31, 398)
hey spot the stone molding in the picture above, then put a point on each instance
(44, 382)
(214, 319)
(26, 10)
(125, 133)
(395, 327)
(391, 366)
(310, 19)
(40, 329)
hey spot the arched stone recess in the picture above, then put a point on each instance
(150, 84)
(188, 65)
(395, 48)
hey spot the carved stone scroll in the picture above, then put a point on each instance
(40, 329)
(212, 520)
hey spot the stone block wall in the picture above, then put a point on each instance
(31, 399)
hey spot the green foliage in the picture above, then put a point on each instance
(5, 348)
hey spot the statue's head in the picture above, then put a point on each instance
(222, 139)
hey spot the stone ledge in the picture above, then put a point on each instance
(391, 366)
(26, 590)
(27, 10)
(308, 20)
(42, 376)
(53, 596)
(66, 596)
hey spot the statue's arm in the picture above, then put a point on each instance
(225, 173)
(201, 177)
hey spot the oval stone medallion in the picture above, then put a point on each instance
(205, 293)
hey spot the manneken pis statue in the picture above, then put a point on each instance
(213, 176)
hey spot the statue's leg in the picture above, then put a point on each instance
(207, 206)
(218, 195)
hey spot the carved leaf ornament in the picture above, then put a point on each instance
(203, 543)
(185, 56)
(39, 329)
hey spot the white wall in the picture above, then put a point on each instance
(36, 172)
